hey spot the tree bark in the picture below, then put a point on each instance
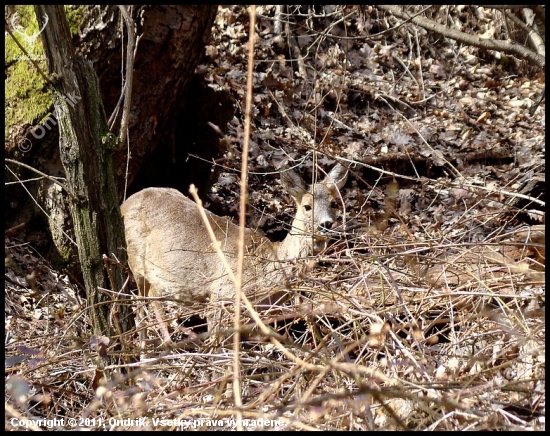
(172, 43)
(85, 143)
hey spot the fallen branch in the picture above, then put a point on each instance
(509, 47)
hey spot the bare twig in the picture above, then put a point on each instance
(505, 6)
(46, 176)
(242, 219)
(488, 44)
(34, 199)
(130, 27)
(532, 36)
(537, 102)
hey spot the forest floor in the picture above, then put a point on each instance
(427, 312)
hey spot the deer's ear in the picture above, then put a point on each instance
(338, 176)
(293, 183)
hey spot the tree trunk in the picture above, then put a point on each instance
(172, 43)
(85, 143)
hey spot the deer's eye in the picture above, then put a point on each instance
(334, 204)
(307, 207)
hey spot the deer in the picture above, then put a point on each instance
(170, 252)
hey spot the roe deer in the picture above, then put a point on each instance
(170, 252)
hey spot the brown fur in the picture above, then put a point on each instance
(170, 252)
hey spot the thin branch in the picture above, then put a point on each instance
(506, 6)
(130, 27)
(531, 34)
(242, 220)
(38, 205)
(46, 176)
(537, 102)
(488, 44)
(534, 34)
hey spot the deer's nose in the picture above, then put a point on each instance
(326, 224)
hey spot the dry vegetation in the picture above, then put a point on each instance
(426, 313)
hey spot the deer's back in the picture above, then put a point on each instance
(169, 247)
